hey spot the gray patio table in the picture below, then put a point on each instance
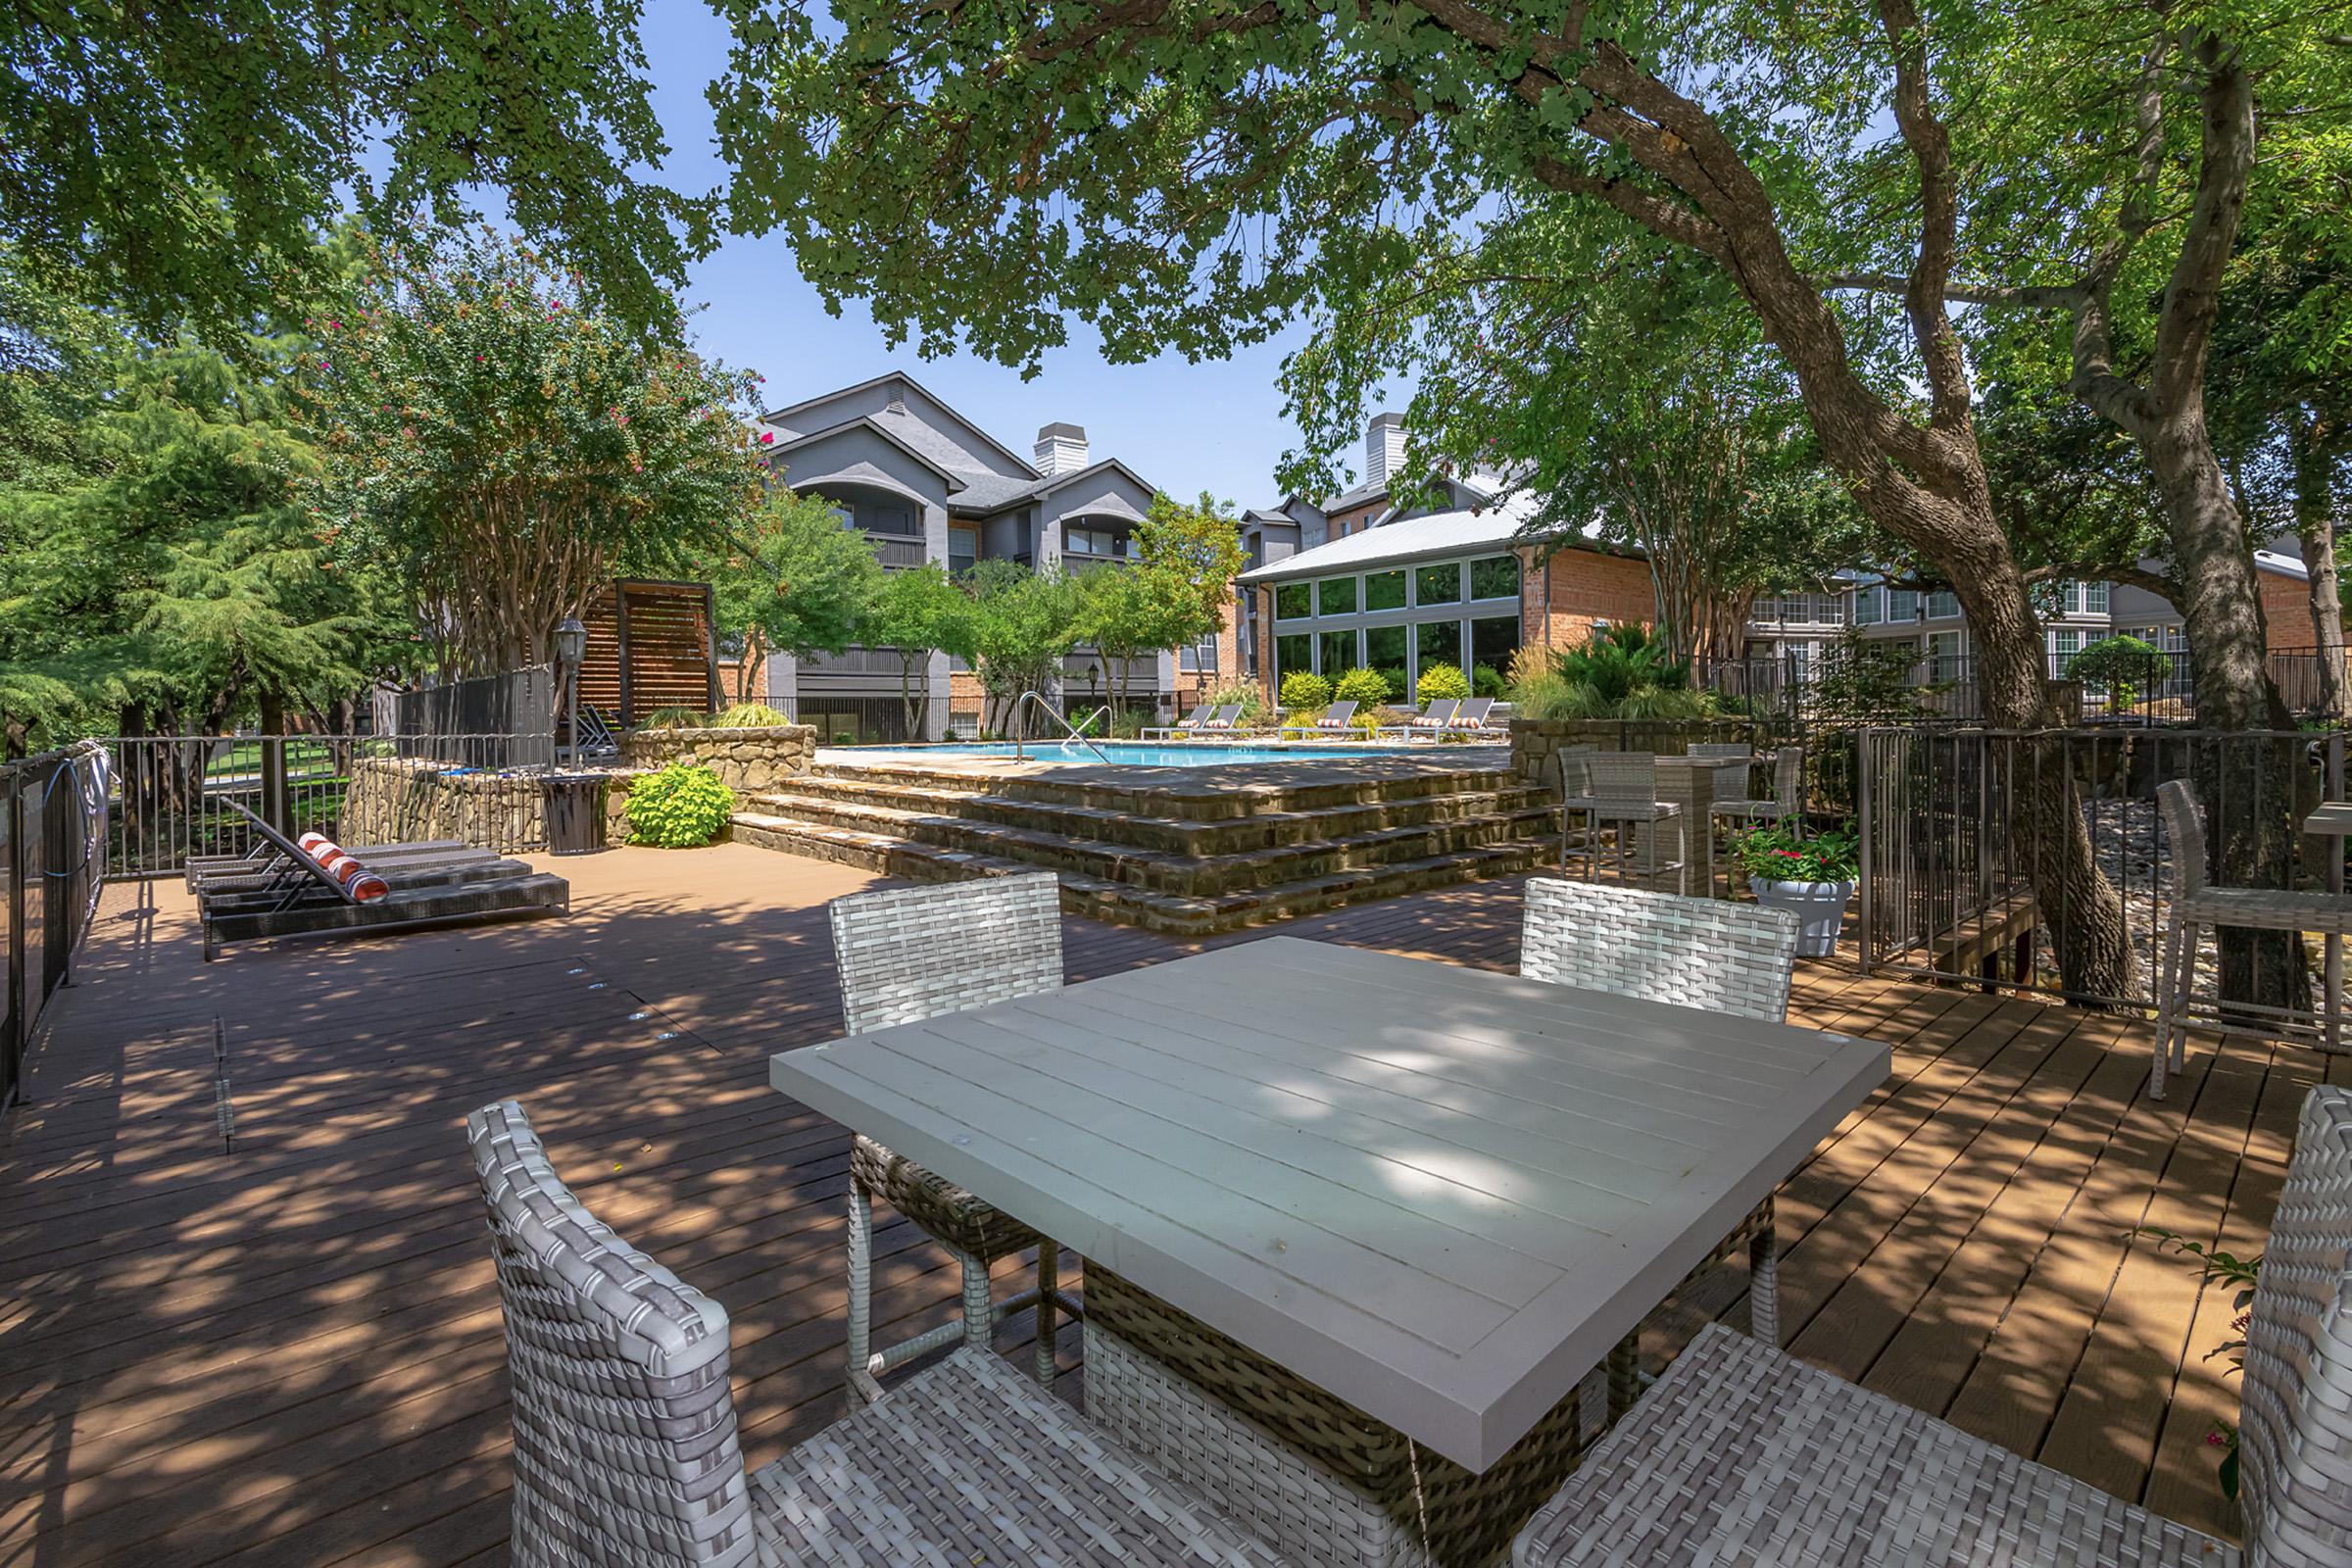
(1442, 1196)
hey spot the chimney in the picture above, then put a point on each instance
(1061, 448)
(1384, 446)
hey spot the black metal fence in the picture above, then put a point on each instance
(519, 705)
(168, 794)
(2158, 689)
(1963, 874)
(52, 830)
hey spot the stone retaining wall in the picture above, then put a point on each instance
(747, 761)
(395, 799)
(1534, 741)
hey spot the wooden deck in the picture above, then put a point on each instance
(246, 1309)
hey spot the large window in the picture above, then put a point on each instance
(1383, 590)
(964, 549)
(1293, 652)
(1385, 651)
(1492, 642)
(1902, 604)
(1093, 542)
(1494, 577)
(1866, 606)
(1338, 651)
(1335, 596)
(1438, 642)
(1942, 606)
(1438, 585)
(1293, 601)
(1198, 657)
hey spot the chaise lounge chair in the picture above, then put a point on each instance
(1335, 722)
(225, 872)
(1471, 717)
(337, 891)
(1190, 725)
(1222, 721)
(1431, 723)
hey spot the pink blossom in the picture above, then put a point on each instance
(767, 437)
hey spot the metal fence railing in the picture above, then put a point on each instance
(52, 826)
(519, 704)
(168, 793)
(1971, 838)
(2156, 688)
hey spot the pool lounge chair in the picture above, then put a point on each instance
(1335, 722)
(1471, 717)
(461, 863)
(341, 894)
(1188, 725)
(265, 858)
(1222, 722)
(1431, 721)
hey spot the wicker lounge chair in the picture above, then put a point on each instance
(911, 953)
(320, 904)
(262, 857)
(2195, 905)
(626, 1446)
(1743, 1454)
(1187, 725)
(1336, 720)
(1621, 791)
(1735, 958)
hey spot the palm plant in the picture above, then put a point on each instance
(1621, 672)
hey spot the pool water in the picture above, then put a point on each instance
(1135, 753)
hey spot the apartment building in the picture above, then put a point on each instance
(1373, 583)
(925, 482)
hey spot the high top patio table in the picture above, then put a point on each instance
(1433, 1199)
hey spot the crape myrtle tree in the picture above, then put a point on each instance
(174, 162)
(915, 612)
(1172, 592)
(789, 579)
(507, 443)
(1190, 174)
(1017, 626)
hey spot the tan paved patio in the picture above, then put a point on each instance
(246, 1309)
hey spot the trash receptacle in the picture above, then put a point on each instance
(576, 812)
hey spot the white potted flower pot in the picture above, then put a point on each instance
(1819, 907)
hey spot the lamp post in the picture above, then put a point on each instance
(572, 642)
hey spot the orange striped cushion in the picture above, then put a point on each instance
(363, 885)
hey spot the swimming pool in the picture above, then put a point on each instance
(1137, 754)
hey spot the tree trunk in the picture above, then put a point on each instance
(2315, 526)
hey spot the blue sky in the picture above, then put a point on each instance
(1186, 427)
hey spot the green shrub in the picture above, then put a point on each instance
(1486, 681)
(1777, 854)
(748, 716)
(1304, 691)
(2123, 665)
(1248, 693)
(676, 716)
(1365, 688)
(680, 807)
(1441, 681)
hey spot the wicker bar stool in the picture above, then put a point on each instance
(1741, 1454)
(1572, 776)
(1788, 779)
(626, 1446)
(2195, 905)
(1622, 791)
(911, 954)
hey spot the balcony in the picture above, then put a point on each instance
(895, 552)
(862, 664)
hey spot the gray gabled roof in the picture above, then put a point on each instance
(988, 492)
(956, 482)
(912, 442)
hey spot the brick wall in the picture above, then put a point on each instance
(1561, 600)
(2287, 610)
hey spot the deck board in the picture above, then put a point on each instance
(285, 1349)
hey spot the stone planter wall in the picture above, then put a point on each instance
(747, 761)
(1534, 741)
(396, 800)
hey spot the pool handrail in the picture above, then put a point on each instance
(1020, 741)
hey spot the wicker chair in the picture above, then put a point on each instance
(1741, 1454)
(625, 1449)
(1729, 750)
(911, 954)
(1787, 778)
(2195, 905)
(1622, 791)
(1725, 958)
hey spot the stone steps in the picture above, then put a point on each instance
(1072, 846)
(1127, 905)
(1263, 830)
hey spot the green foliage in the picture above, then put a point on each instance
(175, 161)
(2123, 665)
(676, 716)
(1439, 682)
(680, 807)
(508, 446)
(1777, 854)
(2216, 1266)
(1305, 692)
(749, 715)
(1865, 680)
(1366, 688)
(918, 611)
(1488, 681)
(1621, 672)
(1254, 713)
(788, 578)
(1174, 590)
(1017, 627)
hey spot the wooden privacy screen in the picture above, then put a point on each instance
(649, 647)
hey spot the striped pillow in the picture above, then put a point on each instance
(363, 885)
(1331, 723)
